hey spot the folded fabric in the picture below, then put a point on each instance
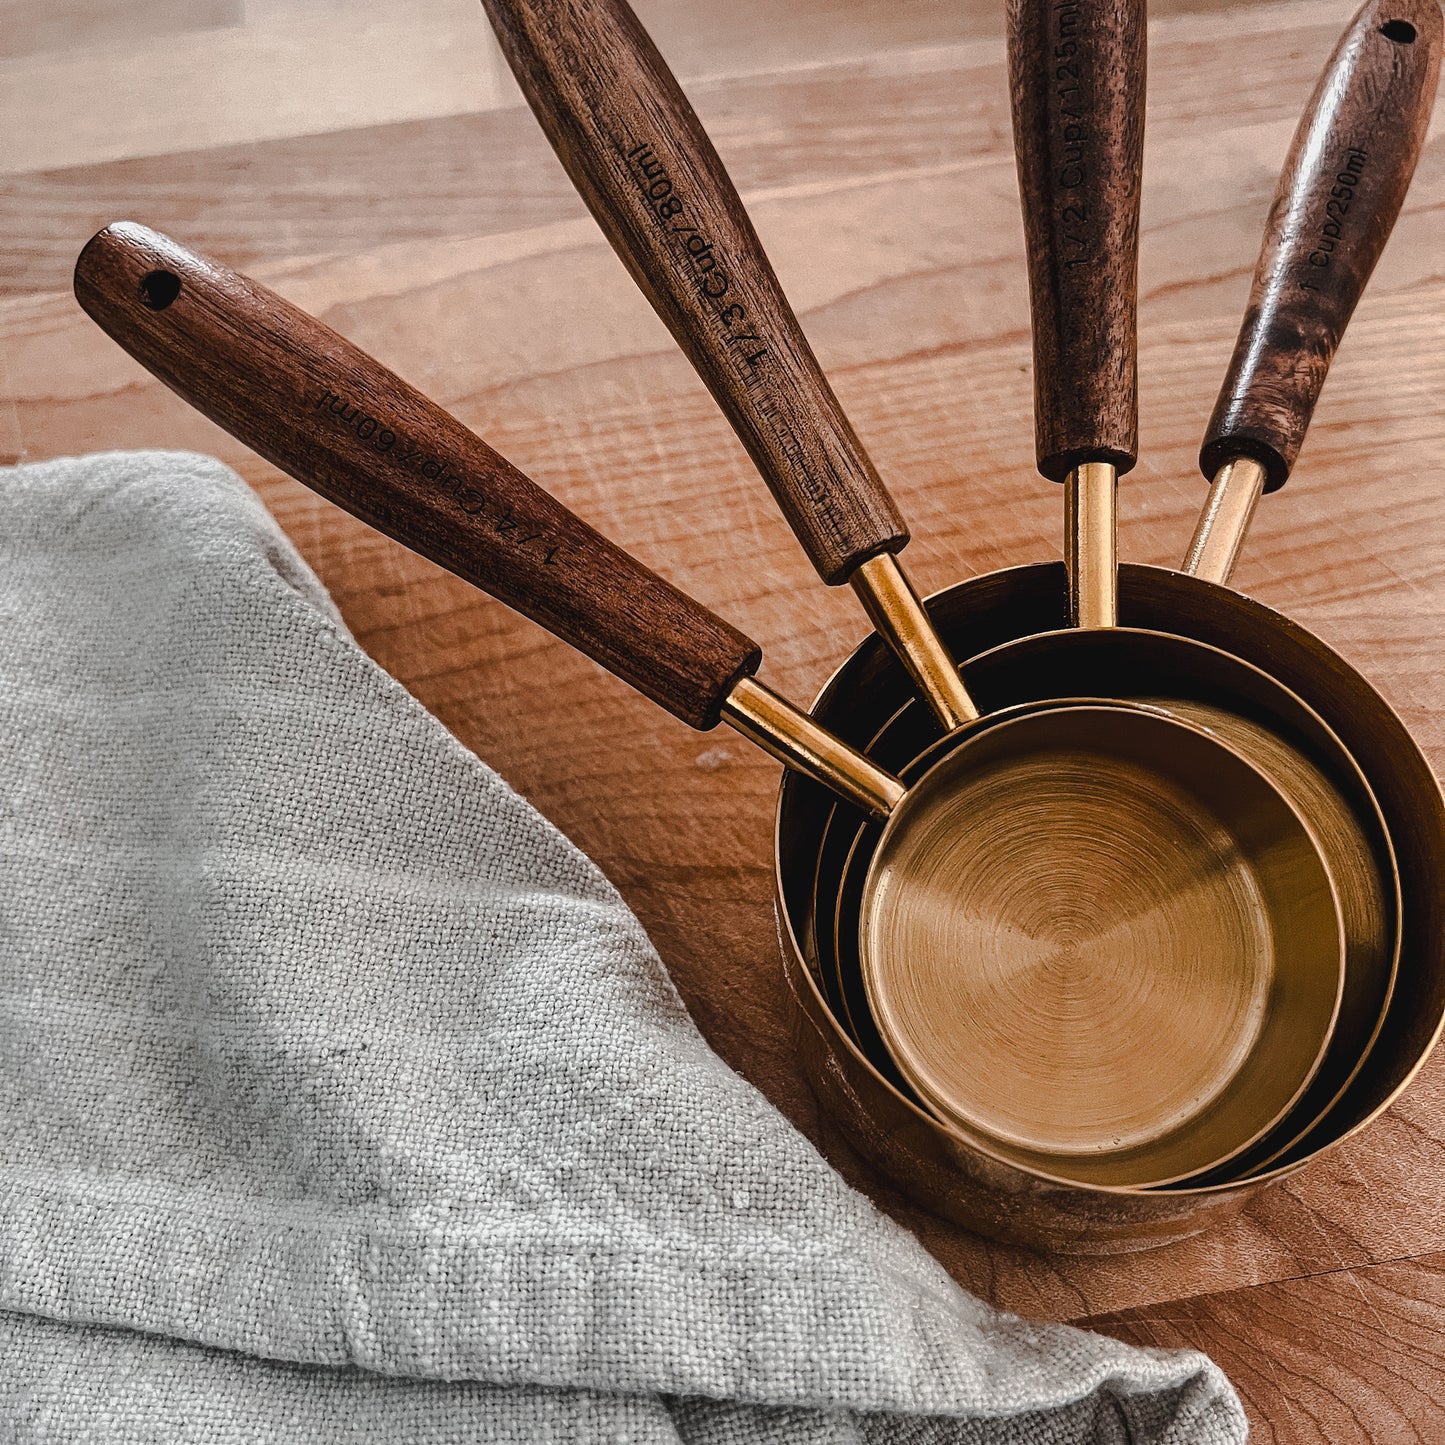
(345, 1100)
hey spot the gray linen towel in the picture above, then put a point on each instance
(345, 1100)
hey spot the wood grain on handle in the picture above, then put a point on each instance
(1344, 180)
(643, 163)
(1076, 72)
(335, 419)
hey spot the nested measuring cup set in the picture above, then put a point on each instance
(1106, 894)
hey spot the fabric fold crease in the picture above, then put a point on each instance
(345, 1099)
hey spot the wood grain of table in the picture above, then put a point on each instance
(454, 250)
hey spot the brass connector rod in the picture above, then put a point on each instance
(1091, 544)
(898, 615)
(792, 737)
(1224, 522)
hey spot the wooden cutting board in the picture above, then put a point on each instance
(454, 250)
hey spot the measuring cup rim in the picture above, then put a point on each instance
(884, 1009)
(1158, 581)
(1365, 805)
(1359, 797)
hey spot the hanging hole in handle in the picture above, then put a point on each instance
(1400, 31)
(159, 288)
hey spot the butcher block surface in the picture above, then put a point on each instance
(882, 183)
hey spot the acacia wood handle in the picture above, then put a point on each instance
(1342, 186)
(335, 419)
(1076, 74)
(641, 160)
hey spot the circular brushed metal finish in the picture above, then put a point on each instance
(962, 1178)
(1367, 887)
(1101, 937)
(1293, 747)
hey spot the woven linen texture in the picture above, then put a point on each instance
(345, 1100)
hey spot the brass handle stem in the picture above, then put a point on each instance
(898, 614)
(791, 736)
(1091, 544)
(1224, 522)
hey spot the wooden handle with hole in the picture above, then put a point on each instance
(1076, 74)
(336, 420)
(1342, 186)
(641, 160)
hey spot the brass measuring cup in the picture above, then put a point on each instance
(604, 96)
(959, 1176)
(1280, 735)
(1389, 55)
(602, 92)
(1240, 856)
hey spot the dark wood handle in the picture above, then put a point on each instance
(643, 163)
(1343, 182)
(1076, 73)
(338, 421)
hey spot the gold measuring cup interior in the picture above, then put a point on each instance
(987, 619)
(1250, 712)
(1101, 937)
(1368, 890)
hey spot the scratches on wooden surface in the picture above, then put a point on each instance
(454, 251)
(1345, 1357)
